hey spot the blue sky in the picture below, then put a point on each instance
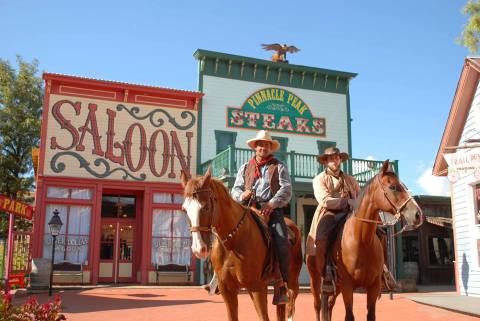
(404, 52)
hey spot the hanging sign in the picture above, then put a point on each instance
(276, 109)
(463, 162)
(15, 207)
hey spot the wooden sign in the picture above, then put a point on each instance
(15, 207)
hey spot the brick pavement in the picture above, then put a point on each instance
(193, 304)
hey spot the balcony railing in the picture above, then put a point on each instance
(302, 167)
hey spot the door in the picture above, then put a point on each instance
(117, 240)
(116, 252)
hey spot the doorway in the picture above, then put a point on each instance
(118, 239)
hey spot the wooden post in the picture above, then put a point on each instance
(8, 261)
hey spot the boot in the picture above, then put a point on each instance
(327, 280)
(280, 295)
(388, 280)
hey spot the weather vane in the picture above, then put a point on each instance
(281, 51)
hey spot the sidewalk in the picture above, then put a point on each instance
(450, 301)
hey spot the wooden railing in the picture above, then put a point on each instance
(301, 166)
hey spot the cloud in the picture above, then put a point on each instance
(433, 185)
(370, 157)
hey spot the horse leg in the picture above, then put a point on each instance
(293, 289)
(331, 303)
(315, 284)
(372, 297)
(347, 294)
(259, 298)
(230, 297)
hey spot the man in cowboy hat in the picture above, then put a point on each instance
(335, 192)
(266, 179)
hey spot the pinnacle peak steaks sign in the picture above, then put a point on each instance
(94, 138)
(276, 109)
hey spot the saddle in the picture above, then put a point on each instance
(271, 262)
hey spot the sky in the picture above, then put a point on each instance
(404, 52)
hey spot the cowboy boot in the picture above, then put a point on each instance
(388, 280)
(280, 294)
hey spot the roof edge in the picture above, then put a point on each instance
(200, 53)
(457, 116)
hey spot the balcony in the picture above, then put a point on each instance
(302, 167)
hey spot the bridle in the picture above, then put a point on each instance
(398, 209)
(210, 228)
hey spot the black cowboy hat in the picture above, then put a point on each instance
(331, 151)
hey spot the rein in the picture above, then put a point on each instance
(397, 214)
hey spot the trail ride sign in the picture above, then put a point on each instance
(15, 207)
(276, 109)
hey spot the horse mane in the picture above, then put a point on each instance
(220, 191)
(360, 196)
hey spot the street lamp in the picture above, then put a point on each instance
(55, 225)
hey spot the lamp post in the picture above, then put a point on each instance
(55, 225)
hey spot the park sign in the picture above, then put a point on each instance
(15, 207)
(276, 109)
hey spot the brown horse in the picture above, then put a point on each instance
(238, 253)
(358, 253)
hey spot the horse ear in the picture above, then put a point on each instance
(207, 176)
(386, 167)
(183, 178)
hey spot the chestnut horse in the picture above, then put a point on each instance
(358, 253)
(238, 252)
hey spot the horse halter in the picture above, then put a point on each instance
(211, 200)
(398, 209)
(210, 228)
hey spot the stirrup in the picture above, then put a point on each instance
(328, 284)
(280, 296)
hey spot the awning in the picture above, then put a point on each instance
(440, 221)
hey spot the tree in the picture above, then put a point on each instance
(471, 33)
(21, 97)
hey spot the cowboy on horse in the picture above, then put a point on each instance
(335, 192)
(265, 183)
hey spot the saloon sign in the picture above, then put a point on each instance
(276, 109)
(104, 139)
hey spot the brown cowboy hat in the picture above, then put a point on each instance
(331, 151)
(264, 135)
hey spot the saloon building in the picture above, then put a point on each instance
(109, 163)
(111, 155)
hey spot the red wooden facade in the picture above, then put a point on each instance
(147, 175)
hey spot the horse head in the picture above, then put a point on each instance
(199, 205)
(393, 197)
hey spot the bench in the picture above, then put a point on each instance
(68, 269)
(173, 270)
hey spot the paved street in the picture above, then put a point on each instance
(193, 304)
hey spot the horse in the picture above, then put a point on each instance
(238, 253)
(357, 252)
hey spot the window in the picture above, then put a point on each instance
(171, 240)
(167, 198)
(322, 145)
(72, 242)
(477, 220)
(224, 139)
(440, 250)
(281, 154)
(118, 206)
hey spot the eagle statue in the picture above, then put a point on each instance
(281, 51)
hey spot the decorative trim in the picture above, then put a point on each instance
(125, 96)
(266, 74)
(229, 67)
(216, 65)
(303, 77)
(160, 101)
(60, 167)
(315, 79)
(49, 86)
(158, 122)
(95, 93)
(291, 77)
(254, 71)
(279, 74)
(241, 69)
